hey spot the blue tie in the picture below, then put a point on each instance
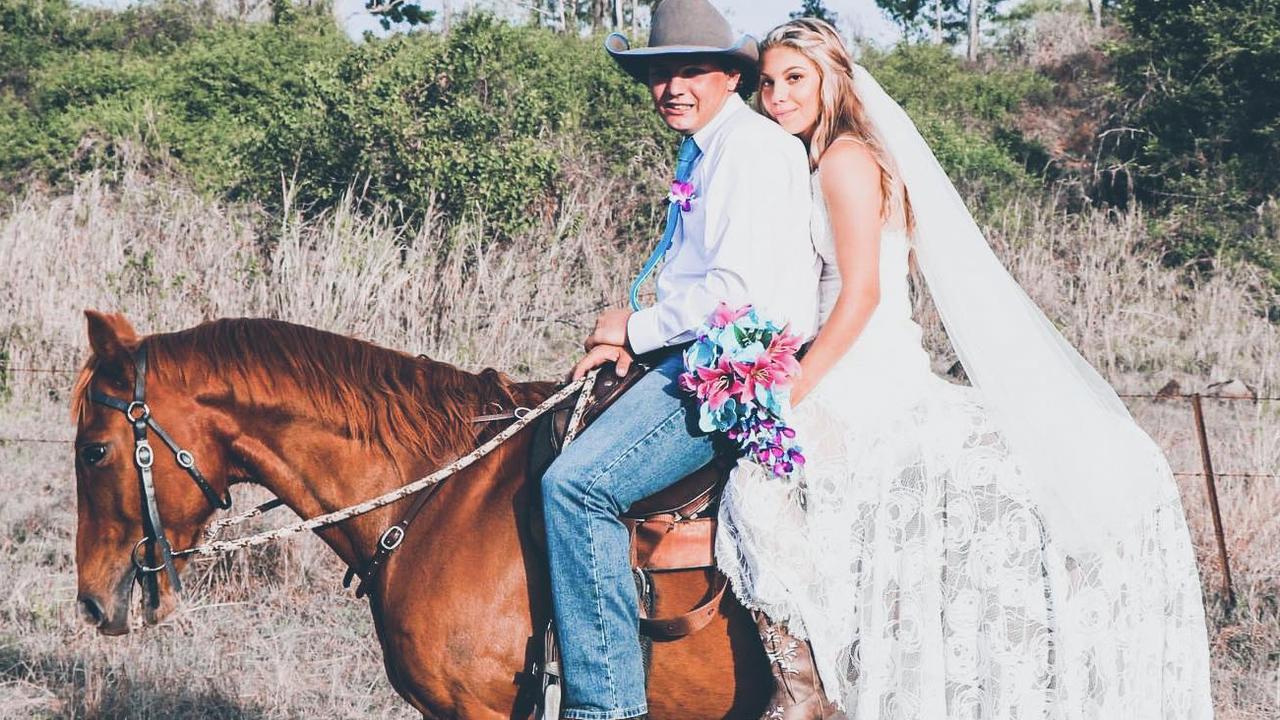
(689, 152)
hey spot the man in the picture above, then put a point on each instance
(741, 237)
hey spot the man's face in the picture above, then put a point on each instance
(689, 91)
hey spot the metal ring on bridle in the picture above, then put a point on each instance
(143, 455)
(137, 405)
(185, 459)
(138, 564)
(386, 543)
(521, 412)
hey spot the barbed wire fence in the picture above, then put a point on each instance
(1195, 400)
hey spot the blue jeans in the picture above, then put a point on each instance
(644, 442)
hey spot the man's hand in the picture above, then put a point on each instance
(611, 329)
(601, 354)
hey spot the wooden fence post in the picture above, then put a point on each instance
(1211, 486)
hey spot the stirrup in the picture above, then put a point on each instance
(552, 676)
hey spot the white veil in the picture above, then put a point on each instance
(1090, 469)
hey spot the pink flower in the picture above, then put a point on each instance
(724, 315)
(763, 373)
(682, 194)
(780, 356)
(689, 382)
(716, 385)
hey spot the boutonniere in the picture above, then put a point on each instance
(682, 194)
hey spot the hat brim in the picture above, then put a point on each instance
(743, 55)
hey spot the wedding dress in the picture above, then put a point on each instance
(911, 555)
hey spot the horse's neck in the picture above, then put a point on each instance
(315, 469)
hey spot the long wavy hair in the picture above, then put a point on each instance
(841, 113)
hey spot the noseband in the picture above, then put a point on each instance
(153, 538)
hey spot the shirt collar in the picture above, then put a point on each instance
(732, 105)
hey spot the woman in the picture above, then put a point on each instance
(1012, 550)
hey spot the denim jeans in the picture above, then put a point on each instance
(644, 442)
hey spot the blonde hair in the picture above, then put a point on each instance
(841, 113)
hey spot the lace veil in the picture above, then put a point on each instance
(1090, 469)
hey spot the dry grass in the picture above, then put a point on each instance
(269, 634)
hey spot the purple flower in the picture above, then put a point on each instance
(682, 194)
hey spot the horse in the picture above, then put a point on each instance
(323, 422)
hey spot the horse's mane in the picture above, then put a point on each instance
(374, 394)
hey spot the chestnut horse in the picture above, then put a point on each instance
(324, 422)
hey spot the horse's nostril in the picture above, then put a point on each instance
(90, 610)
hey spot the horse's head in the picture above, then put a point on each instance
(149, 470)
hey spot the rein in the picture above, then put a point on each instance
(139, 416)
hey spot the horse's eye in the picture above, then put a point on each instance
(93, 454)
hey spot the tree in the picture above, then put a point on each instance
(573, 15)
(815, 9)
(396, 12)
(942, 21)
(975, 6)
(937, 19)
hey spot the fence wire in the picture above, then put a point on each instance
(1127, 396)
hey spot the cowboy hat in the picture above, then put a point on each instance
(687, 27)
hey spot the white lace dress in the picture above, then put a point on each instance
(909, 554)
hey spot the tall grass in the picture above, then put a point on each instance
(268, 634)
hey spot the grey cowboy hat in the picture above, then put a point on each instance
(687, 27)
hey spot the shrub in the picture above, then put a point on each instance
(1202, 86)
(967, 115)
(491, 121)
(484, 120)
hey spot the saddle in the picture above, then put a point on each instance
(671, 531)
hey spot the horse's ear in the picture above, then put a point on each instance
(112, 339)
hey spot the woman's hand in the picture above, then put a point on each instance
(800, 387)
(599, 355)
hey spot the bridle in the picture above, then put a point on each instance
(153, 537)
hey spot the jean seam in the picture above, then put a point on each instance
(599, 598)
(619, 714)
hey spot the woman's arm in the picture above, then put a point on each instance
(851, 188)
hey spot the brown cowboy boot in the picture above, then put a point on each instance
(797, 690)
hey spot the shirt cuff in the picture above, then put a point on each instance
(643, 332)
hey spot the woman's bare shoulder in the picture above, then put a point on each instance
(848, 164)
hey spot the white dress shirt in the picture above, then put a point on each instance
(744, 240)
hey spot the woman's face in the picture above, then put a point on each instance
(791, 90)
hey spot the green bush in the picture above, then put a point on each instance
(967, 115)
(487, 119)
(192, 89)
(1201, 82)
(493, 121)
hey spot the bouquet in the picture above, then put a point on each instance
(740, 369)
